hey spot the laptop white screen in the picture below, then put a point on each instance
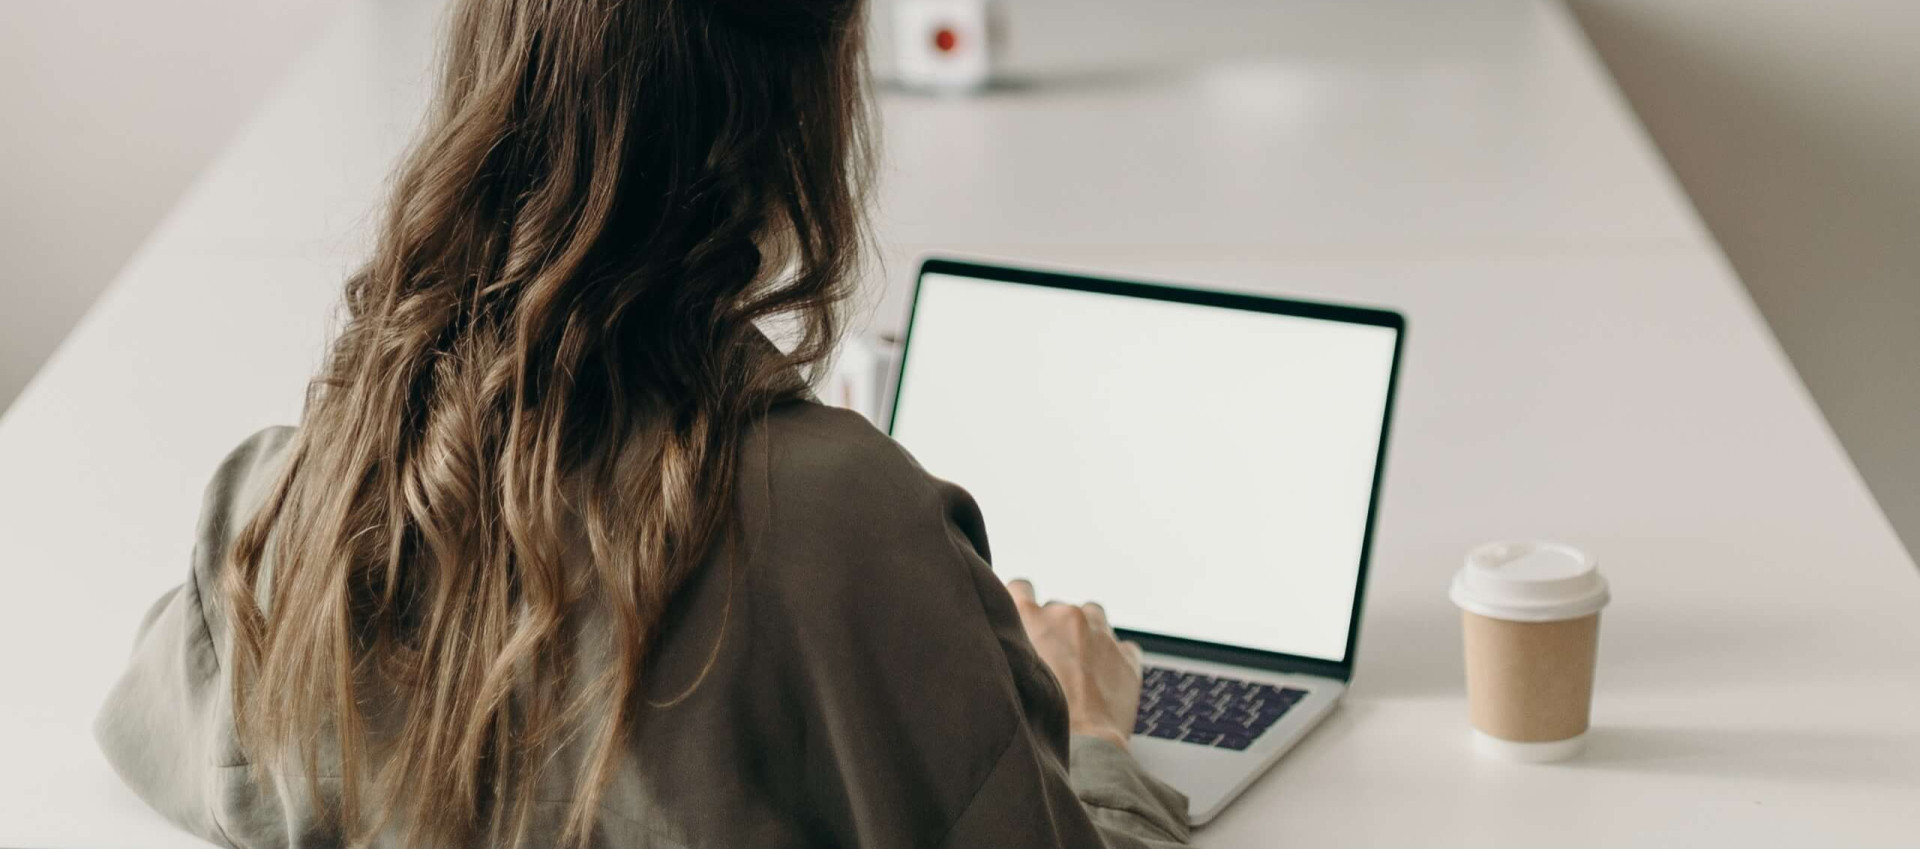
(1203, 472)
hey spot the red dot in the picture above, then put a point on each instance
(944, 40)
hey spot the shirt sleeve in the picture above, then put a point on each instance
(153, 727)
(930, 720)
(166, 726)
(1049, 789)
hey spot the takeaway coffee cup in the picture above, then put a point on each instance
(1531, 615)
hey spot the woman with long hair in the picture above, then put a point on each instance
(562, 553)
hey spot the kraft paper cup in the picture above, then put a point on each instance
(1530, 612)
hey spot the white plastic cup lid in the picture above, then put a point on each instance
(1529, 582)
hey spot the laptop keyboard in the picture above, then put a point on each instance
(1223, 712)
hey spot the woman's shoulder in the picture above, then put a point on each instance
(242, 480)
(233, 494)
(242, 475)
(815, 454)
(824, 490)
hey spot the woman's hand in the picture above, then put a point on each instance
(1100, 674)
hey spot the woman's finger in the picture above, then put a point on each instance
(1022, 590)
(1097, 616)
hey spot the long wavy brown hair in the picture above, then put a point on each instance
(557, 339)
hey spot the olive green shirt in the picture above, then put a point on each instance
(870, 682)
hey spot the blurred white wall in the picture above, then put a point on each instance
(110, 108)
(1795, 127)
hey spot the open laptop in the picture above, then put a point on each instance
(1204, 464)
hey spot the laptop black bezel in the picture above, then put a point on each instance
(1163, 643)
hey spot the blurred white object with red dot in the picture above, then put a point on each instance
(946, 45)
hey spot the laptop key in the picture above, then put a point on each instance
(1204, 738)
(1222, 727)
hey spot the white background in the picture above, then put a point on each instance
(1202, 472)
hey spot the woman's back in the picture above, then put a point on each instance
(560, 553)
(847, 672)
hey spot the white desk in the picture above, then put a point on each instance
(1582, 365)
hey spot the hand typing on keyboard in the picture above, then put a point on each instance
(1099, 674)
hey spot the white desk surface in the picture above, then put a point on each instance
(1582, 365)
